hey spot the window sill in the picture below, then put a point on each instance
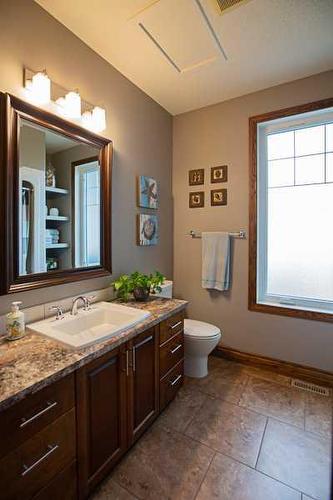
(290, 312)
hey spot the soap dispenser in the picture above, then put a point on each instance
(15, 326)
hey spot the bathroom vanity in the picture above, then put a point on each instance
(67, 417)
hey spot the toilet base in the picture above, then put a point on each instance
(196, 366)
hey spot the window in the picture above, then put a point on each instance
(87, 214)
(291, 249)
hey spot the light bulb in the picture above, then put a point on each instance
(98, 118)
(87, 121)
(39, 88)
(70, 105)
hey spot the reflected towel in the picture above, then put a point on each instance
(216, 261)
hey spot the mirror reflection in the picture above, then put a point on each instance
(59, 202)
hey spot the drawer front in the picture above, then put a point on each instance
(171, 326)
(30, 467)
(171, 353)
(170, 384)
(63, 486)
(22, 420)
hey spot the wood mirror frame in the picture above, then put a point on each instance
(12, 110)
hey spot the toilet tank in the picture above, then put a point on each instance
(166, 290)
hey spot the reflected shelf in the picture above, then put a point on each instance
(55, 190)
(59, 218)
(57, 245)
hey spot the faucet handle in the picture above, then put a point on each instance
(60, 312)
(89, 301)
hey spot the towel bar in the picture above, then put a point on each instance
(240, 234)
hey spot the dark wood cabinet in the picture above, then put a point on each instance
(61, 441)
(101, 425)
(143, 380)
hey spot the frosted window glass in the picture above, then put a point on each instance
(310, 169)
(329, 167)
(280, 145)
(329, 137)
(280, 173)
(310, 140)
(300, 246)
(93, 235)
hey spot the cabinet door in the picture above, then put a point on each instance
(101, 407)
(143, 382)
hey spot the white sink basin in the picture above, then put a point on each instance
(101, 322)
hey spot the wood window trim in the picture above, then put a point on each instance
(253, 305)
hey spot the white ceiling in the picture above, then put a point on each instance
(186, 54)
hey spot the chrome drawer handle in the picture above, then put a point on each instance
(175, 325)
(176, 349)
(176, 380)
(26, 421)
(133, 359)
(50, 450)
(127, 364)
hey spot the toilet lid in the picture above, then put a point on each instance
(200, 329)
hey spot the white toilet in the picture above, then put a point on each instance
(200, 339)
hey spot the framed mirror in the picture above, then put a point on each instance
(55, 199)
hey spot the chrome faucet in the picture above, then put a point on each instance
(75, 302)
(86, 303)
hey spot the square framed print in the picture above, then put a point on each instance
(147, 229)
(197, 199)
(218, 197)
(219, 174)
(147, 192)
(196, 177)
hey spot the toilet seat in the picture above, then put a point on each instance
(199, 330)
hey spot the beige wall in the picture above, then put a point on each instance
(218, 135)
(32, 148)
(140, 129)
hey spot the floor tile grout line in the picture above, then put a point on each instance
(110, 478)
(204, 477)
(194, 416)
(251, 410)
(217, 452)
(313, 434)
(261, 443)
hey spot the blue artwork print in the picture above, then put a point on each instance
(148, 192)
(148, 229)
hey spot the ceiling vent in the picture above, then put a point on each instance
(226, 4)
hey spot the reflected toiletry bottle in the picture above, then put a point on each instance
(15, 326)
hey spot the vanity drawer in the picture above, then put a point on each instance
(170, 384)
(171, 326)
(22, 420)
(171, 353)
(62, 486)
(27, 469)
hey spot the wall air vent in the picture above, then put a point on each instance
(306, 386)
(226, 4)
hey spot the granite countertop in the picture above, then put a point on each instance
(33, 362)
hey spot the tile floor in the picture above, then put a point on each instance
(239, 434)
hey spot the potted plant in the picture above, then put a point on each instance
(138, 284)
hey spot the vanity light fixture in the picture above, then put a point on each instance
(98, 118)
(94, 120)
(39, 88)
(38, 91)
(70, 105)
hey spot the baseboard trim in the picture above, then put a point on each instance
(287, 368)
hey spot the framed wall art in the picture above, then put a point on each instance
(197, 199)
(218, 197)
(196, 177)
(219, 174)
(147, 192)
(147, 229)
